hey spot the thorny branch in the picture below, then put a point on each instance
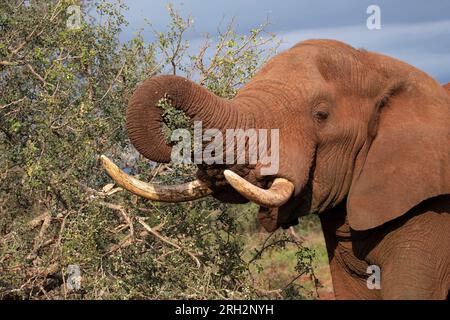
(166, 240)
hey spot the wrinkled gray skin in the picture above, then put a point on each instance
(365, 140)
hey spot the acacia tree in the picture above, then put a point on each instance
(63, 92)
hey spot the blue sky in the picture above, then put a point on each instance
(414, 31)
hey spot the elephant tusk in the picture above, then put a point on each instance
(173, 193)
(277, 195)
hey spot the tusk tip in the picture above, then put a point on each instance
(230, 176)
(228, 173)
(105, 160)
(109, 166)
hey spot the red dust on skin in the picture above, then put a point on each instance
(364, 139)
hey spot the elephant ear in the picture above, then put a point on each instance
(408, 160)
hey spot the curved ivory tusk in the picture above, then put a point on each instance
(173, 193)
(278, 194)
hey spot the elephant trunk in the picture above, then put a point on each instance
(144, 121)
(144, 124)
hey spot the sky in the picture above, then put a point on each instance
(415, 31)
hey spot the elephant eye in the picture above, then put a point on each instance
(320, 115)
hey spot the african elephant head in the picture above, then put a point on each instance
(354, 126)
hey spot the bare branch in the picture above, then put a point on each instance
(12, 103)
(112, 83)
(7, 63)
(164, 239)
(37, 75)
(123, 213)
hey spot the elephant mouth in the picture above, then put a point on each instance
(280, 191)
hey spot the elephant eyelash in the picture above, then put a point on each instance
(320, 115)
(321, 106)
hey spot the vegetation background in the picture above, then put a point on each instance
(63, 94)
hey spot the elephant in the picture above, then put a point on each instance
(364, 142)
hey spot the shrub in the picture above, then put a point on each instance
(63, 98)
